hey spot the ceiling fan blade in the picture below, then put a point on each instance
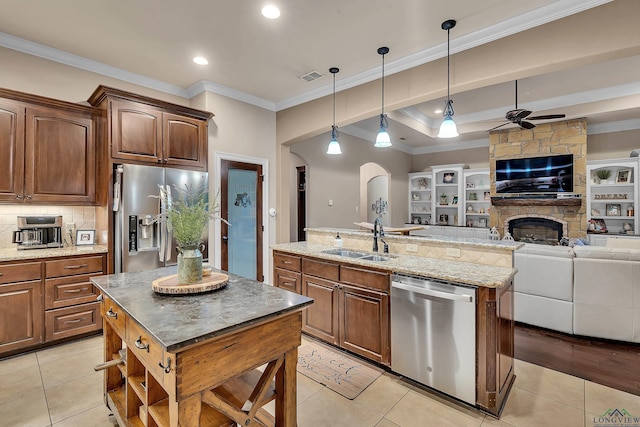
(526, 125)
(548, 116)
(515, 115)
(499, 126)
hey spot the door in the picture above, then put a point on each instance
(12, 121)
(241, 205)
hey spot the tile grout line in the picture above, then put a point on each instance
(44, 391)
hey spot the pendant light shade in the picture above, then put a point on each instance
(334, 145)
(383, 139)
(448, 127)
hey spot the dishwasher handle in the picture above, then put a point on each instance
(433, 292)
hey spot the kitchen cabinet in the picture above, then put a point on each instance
(286, 272)
(149, 131)
(613, 201)
(49, 300)
(51, 148)
(20, 306)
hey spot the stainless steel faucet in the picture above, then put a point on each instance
(376, 223)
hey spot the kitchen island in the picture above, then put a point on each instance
(353, 290)
(191, 360)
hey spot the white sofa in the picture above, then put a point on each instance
(543, 286)
(586, 290)
(607, 290)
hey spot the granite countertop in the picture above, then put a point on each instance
(451, 271)
(13, 254)
(443, 240)
(177, 321)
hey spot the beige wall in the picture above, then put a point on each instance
(338, 178)
(616, 145)
(473, 157)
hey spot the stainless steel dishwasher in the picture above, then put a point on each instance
(433, 334)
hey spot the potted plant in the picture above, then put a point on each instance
(603, 175)
(187, 212)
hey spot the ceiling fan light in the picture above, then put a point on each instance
(448, 128)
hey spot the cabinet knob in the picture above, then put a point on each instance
(29, 197)
(141, 346)
(19, 196)
(111, 313)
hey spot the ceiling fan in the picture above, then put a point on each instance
(518, 114)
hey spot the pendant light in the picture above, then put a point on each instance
(383, 139)
(448, 127)
(334, 145)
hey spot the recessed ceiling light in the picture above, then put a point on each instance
(200, 60)
(270, 12)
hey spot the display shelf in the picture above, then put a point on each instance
(476, 197)
(420, 203)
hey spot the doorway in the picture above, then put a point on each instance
(302, 202)
(241, 205)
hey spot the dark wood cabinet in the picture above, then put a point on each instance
(20, 306)
(51, 150)
(288, 280)
(149, 131)
(322, 318)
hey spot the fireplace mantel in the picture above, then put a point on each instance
(516, 201)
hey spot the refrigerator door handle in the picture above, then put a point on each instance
(168, 232)
(162, 222)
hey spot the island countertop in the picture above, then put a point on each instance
(451, 271)
(177, 321)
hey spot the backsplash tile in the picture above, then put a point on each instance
(84, 218)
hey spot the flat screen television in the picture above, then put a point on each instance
(545, 174)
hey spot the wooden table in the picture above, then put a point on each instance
(191, 360)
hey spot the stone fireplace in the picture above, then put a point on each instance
(539, 229)
(564, 137)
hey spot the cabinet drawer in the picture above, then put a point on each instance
(366, 278)
(288, 280)
(12, 273)
(288, 262)
(66, 291)
(146, 348)
(73, 266)
(114, 315)
(70, 321)
(326, 270)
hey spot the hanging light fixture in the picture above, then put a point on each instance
(448, 127)
(383, 139)
(334, 145)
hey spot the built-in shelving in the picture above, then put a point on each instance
(420, 205)
(477, 198)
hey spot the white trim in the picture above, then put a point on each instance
(218, 158)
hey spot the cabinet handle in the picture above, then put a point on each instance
(75, 267)
(28, 197)
(111, 313)
(287, 262)
(141, 346)
(159, 160)
(73, 321)
(99, 298)
(167, 368)
(19, 196)
(1, 274)
(74, 291)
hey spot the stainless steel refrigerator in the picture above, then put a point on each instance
(142, 242)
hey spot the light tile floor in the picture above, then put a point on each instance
(58, 387)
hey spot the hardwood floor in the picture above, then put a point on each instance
(611, 363)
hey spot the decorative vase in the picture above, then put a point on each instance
(189, 264)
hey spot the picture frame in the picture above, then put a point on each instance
(448, 178)
(482, 222)
(85, 237)
(454, 201)
(614, 209)
(470, 185)
(623, 176)
(487, 195)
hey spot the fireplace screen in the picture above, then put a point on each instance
(536, 230)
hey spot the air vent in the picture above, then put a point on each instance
(310, 76)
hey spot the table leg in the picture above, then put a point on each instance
(286, 390)
(186, 413)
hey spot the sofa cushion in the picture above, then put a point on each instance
(544, 275)
(613, 323)
(544, 312)
(631, 243)
(546, 250)
(603, 252)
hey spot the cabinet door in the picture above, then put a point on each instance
(364, 323)
(12, 149)
(60, 157)
(184, 141)
(288, 280)
(136, 132)
(321, 318)
(20, 315)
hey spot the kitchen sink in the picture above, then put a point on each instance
(345, 252)
(374, 258)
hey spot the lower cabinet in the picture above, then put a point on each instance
(21, 323)
(45, 301)
(321, 318)
(289, 280)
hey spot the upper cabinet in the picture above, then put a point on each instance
(51, 150)
(149, 131)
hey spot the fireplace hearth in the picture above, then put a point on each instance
(538, 230)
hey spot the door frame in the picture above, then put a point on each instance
(217, 236)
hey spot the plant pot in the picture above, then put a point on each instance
(189, 264)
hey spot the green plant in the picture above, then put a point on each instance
(188, 212)
(603, 173)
